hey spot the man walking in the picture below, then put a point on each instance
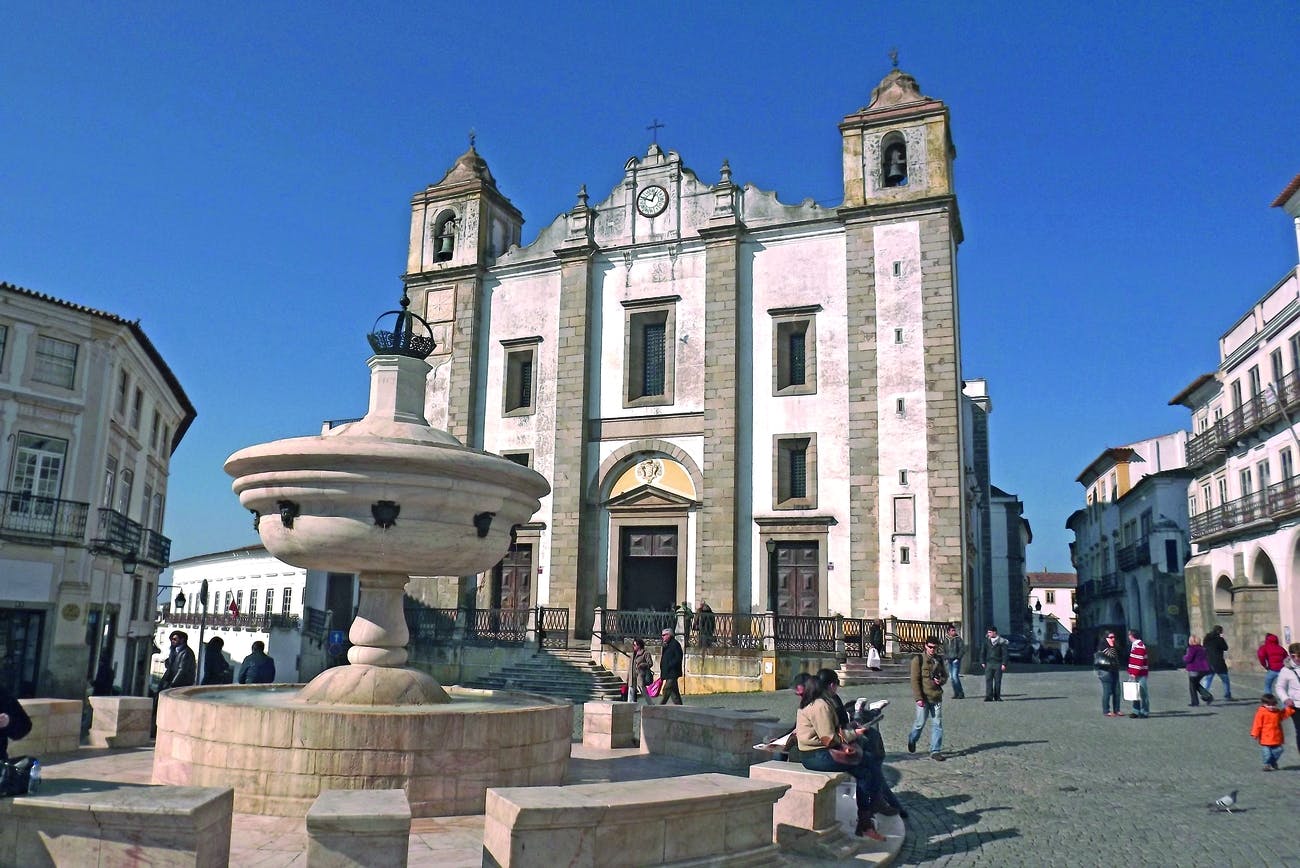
(954, 649)
(928, 674)
(258, 667)
(1138, 669)
(670, 669)
(1215, 647)
(993, 657)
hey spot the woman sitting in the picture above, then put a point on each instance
(818, 732)
(873, 747)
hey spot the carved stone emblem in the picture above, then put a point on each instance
(649, 471)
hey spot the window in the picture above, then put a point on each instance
(1218, 413)
(146, 504)
(136, 587)
(1114, 488)
(523, 459)
(1275, 358)
(900, 406)
(794, 350)
(270, 599)
(287, 605)
(156, 520)
(904, 555)
(1288, 470)
(56, 362)
(520, 376)
(902, 477)
(898, 336)
(123, 385)
(110, 479)
(1236, 394)
(1253, 374)
(1262, 470)
(1295, 352)
(1191, 505)
(898, 268)
(905, 515)
(1145, 520)
(137, 407)
(1223, 489)
(124, 491)
(1205, 495)
(37, 473)
(239, 600)
(154, 430)
(166, 438)
(795, 471)
(1050, 596)
(650, 350)
(1246, 487)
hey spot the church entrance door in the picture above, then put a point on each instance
(512, 579)
(648, 574)
(796, 579)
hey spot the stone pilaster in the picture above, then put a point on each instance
(864, 441)
(719, 525)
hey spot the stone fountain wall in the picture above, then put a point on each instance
(280, 756)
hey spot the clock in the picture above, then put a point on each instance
(652, 200)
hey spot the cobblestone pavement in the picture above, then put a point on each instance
(1044, 779)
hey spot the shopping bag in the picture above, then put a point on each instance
(1132, 691)
(652, 689)
(873, 660)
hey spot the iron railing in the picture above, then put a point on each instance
(430, 626)
(497, 626)
(29, 518)
(155, 549)
(1134, 555)
(726, 630)
(1111, 583)
(1259, 410)
(1235, 513)
(624, 624)
(553, 626)
(116, 534)
(805, 633)
(856, 637)
(219, 620)
(910, 635)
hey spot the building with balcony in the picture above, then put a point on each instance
(1130, 545)
(90, 414)
(1051, 608)
(1245, 498)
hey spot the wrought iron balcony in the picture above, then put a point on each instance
(29, 518)
(1111, 583)
(1232, 515)
(117, 534)
(1135, 555)
(1210, 446)
(155, 549)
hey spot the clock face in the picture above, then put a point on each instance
(652, 200)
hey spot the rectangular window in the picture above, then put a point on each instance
(1205, 495)
(1051, 597)
(1262, 470)
(794, 350)
(137, 408)
(1114, 488)
(136, 587)
(124, 491)
(1218, 413)
(1145, 520)
(166, 438)
(520, 376)
(1191, 505)
(523, 459)
(1223, 489)
(900, 406)
(796, 472)
(239, 600)
(902, 477)
(270, 599)
(898, 336)
(905, 515)
(898, 268)
(649, 341)
(1246, 487)
(1255, 385)
(1295, 352)
(1236, 394)
(56, 362)
(4, 342)
(287, 605)
(123, 385)
(252, 601)
(904, 555)
(1288, 470)
(37, 473)
(146, 504)
(154, 430)
(156, 519)
(110, 480)
(1275, 359)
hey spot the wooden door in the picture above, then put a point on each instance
(513, 586)
(796, 579)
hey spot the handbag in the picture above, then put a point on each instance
(652, 689)
(16, 776)
(848, 754)
(1132, 691)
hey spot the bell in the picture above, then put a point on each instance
(895, 168)
(446, 243)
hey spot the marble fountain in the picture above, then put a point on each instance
(386, 497)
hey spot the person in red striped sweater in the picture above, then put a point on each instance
(1138, 669)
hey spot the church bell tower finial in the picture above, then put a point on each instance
(893, 56)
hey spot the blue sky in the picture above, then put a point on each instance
(239, 181)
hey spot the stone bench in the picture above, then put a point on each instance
(608, 725)
(358, 828)
(117, 825)
(56, 728)
(120, 721)
(804, 819)
(711, 736)
(709, 819)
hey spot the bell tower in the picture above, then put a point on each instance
(459, 226)
(906, 459)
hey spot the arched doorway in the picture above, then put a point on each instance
(649, 504)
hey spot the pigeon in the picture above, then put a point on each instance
(1225, 803)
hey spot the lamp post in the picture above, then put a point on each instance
(203, 623)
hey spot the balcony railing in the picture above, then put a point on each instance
(1111, 583)
(155, 549)
(117, 534)
(1279, 500)
(262, 623)
(1262, 409)
(30, 518)
(1135, 555)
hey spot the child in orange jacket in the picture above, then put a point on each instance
(1267, 729)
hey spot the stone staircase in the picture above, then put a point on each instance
(892, 671)
(568, 674)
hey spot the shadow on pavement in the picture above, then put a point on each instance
(62, 786)
(934, 819)
(992, 745)
(1020, 697)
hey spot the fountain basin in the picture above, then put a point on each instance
(279, 753)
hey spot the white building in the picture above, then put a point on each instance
(91, 415)
(276, 603)
(736, 400)
(1245, 499)
(1051, 602)
(1130, 545)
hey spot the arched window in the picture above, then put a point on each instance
(893, 161)
(444, 236)
(1223, 595)
(1264, 574)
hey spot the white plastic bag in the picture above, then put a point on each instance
(873, 659)
(1132, 691)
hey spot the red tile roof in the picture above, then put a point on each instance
(1045, 579)
(1287, 193)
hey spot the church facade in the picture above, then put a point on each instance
(737, 401)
